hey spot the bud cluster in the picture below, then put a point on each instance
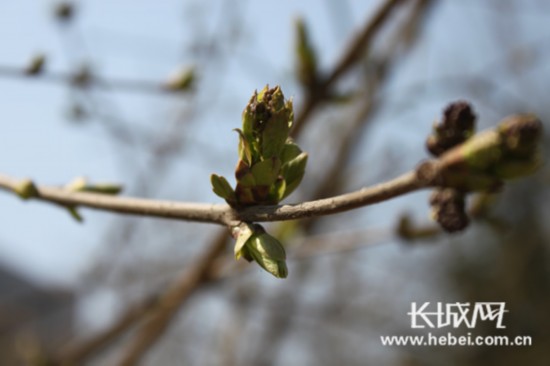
(478, 163)
(270, 167)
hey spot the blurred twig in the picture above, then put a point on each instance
(90, 80)
(349, 57)
(170, 302)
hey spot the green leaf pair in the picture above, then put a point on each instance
(81, 184)
(254, 243)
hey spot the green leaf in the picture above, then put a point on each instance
(266, 172)
(290, 151)
(248, 116)
(80, 184)
(245, 148)
(293, 172)
(278, 190)
(74, 213)
(243, 232)
(104, 188)
(306, 58)
(268, 252)
(221, 187)
(275, 133)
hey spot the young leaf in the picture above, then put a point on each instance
(245, 148)
(290, 151)
(275, 133)
(75, 214)
(242, 233)
(266, 172)
(293, 172)
(221, 187)
(278, 190)
(268, 252)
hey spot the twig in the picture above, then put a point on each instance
(221, 213)
(350, 56)
(77, 352)
(95, 81)
(171, 301)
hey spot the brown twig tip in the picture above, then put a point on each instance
(459, 115)
(521, 133)
(448, 209)
(457, 125)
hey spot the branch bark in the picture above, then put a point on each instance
(220, 213)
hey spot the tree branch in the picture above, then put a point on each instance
(71, 78)
(349, 57)
(170, 302)
(221, 213)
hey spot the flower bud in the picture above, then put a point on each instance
(457, 126)
(448, 209)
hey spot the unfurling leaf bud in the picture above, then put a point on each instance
(80, 184)
(36, 65)
(306, 58)
(270, 164)
(182, 80)
(221, 187)
(254, 243)
(269, 168)
(26, 189)
(482, 162)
